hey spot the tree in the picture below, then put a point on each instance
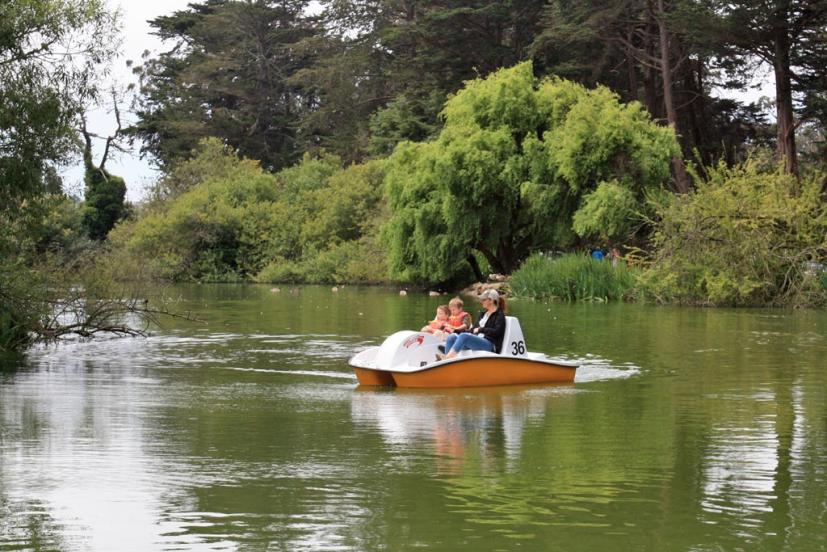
(510, 169)
(228, 74)
(105, 193)
(789, 36)
(618, 44)
(638, 34)
(50, 55)
(440, 44)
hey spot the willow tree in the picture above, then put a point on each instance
(514, 163)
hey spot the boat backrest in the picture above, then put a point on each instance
(513, 340)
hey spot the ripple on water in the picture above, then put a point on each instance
(594, 368)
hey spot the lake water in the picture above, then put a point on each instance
(686, 429)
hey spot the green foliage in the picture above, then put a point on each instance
(348, 207)
(354, 262)
(47, 262)
(509, 170)
(747, 236)
(104, 203)
(49, 56)
(228, 73)
(18, 315)
(276, 79)
(234, 221)
(573, 277)
(198, 234)
(209, 158)
(45, 225)
(608, 214)
(403, 119)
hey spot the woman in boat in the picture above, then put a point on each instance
(487, 334)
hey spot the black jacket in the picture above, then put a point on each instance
(494, 329)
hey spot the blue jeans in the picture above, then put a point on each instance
(467, 340)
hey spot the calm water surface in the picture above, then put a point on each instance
(686, 429)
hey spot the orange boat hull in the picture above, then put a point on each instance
(472, 372)
(367, 376)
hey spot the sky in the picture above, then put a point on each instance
(139, 173)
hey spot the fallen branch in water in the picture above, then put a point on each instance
(84, 317)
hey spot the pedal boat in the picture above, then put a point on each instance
(408, 359)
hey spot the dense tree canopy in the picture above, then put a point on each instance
(788, 36)
(275, 79)
(510, 169)
(228, 74)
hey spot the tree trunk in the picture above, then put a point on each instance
(493, 260)
(681, 176)
(783, 89)
(475, 267)
(650, 95)
(693, 102)
(631, 66)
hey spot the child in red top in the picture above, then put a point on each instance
(436, 325)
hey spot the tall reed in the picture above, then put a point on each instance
(573, 277)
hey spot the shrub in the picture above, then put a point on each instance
(306, 223)
(573, 277)
(745, 236)
(346, 262)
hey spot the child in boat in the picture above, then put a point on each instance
(459, 321)
(436, 325)
(487, 334)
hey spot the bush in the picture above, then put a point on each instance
(229, 220)
(347, 262)
(573, 277)
(746, 236)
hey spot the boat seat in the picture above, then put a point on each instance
(513, 340)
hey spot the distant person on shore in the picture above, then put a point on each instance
(487, 334)
(614, 255)
(438, 324)
(597, 254)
